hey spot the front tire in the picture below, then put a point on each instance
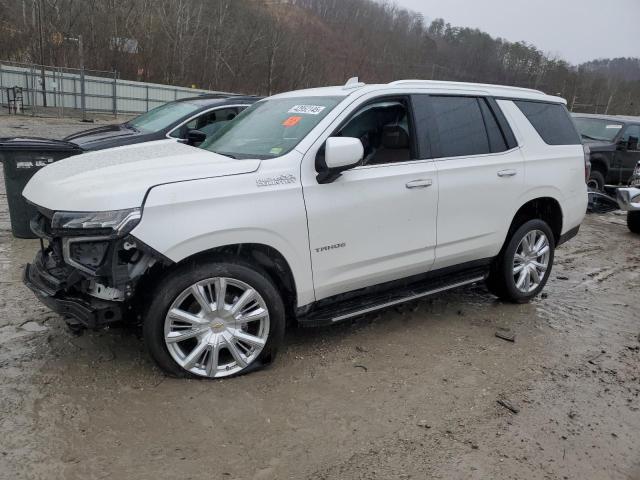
(522, 269)
(213, 320)
(633, 221)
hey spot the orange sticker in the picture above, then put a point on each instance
(291, 121)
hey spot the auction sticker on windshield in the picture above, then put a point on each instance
(307, 109)
(615, 127)
(291, 121)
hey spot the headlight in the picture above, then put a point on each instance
(115, 222)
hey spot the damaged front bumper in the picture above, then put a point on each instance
(89, 280)
(84, 309)
(629, 198)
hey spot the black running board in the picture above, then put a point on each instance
(337, 311)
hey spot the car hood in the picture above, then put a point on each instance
(120, 178)
(599, 145)
(106, 136)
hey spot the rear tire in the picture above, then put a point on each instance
(214, 319)
(596, 181)
(523, 267)
(633, 221)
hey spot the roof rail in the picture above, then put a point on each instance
(469, 84)
(353, 82)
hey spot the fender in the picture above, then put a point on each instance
(572, 207)
(601, 161)
(539, 192)
(182, 219)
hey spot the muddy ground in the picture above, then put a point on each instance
(408, 393)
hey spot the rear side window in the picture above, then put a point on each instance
(497, 142)
(466, 126)
(460, 126)
(551, 121)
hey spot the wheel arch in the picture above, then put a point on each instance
(266, 257)
(545, 208)
(600, 163)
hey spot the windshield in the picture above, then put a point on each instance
(597, 129)
(162, 117)
(270, 128)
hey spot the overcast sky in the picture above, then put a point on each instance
(576, 30)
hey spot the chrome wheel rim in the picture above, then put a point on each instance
(216, 327)
(531, 261)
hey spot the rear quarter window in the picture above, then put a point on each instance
(551, 121)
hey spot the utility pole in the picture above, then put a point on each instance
(83, 105)
(82, 92)
(606, 110)
(42, 74)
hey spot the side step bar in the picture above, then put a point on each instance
(415, 296)
(343, 310)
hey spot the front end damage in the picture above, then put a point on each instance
(90, 277)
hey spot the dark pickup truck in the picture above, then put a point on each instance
(613, 142)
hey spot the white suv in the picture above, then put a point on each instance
(316, 206)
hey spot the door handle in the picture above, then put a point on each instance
(507, 173)
(422, 183)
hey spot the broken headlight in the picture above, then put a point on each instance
(116, 223)
(85, 255)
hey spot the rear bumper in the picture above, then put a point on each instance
(90, 312)
(625, 197)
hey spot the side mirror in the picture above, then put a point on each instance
(340, 154)
(632, 143)
(195, 137)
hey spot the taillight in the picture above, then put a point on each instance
(587, 162)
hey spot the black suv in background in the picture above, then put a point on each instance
(613, 141)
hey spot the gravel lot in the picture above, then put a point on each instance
(408, 393)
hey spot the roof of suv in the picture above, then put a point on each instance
(617, 118)
(432, 85)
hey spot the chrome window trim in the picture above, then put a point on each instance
(477, 155)
(437, 159)
(220, 107)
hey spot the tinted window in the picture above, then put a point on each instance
(496, 139)
(631, 131)
(631, 135)
(551, 121)
(423, 124)
(460, 126)
(383, 128)
(162, 116)
(208, 123)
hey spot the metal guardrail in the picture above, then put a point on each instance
(104, 92)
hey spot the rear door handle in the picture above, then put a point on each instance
(422, 183)
(507, 173)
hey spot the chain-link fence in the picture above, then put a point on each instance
(21, 85)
